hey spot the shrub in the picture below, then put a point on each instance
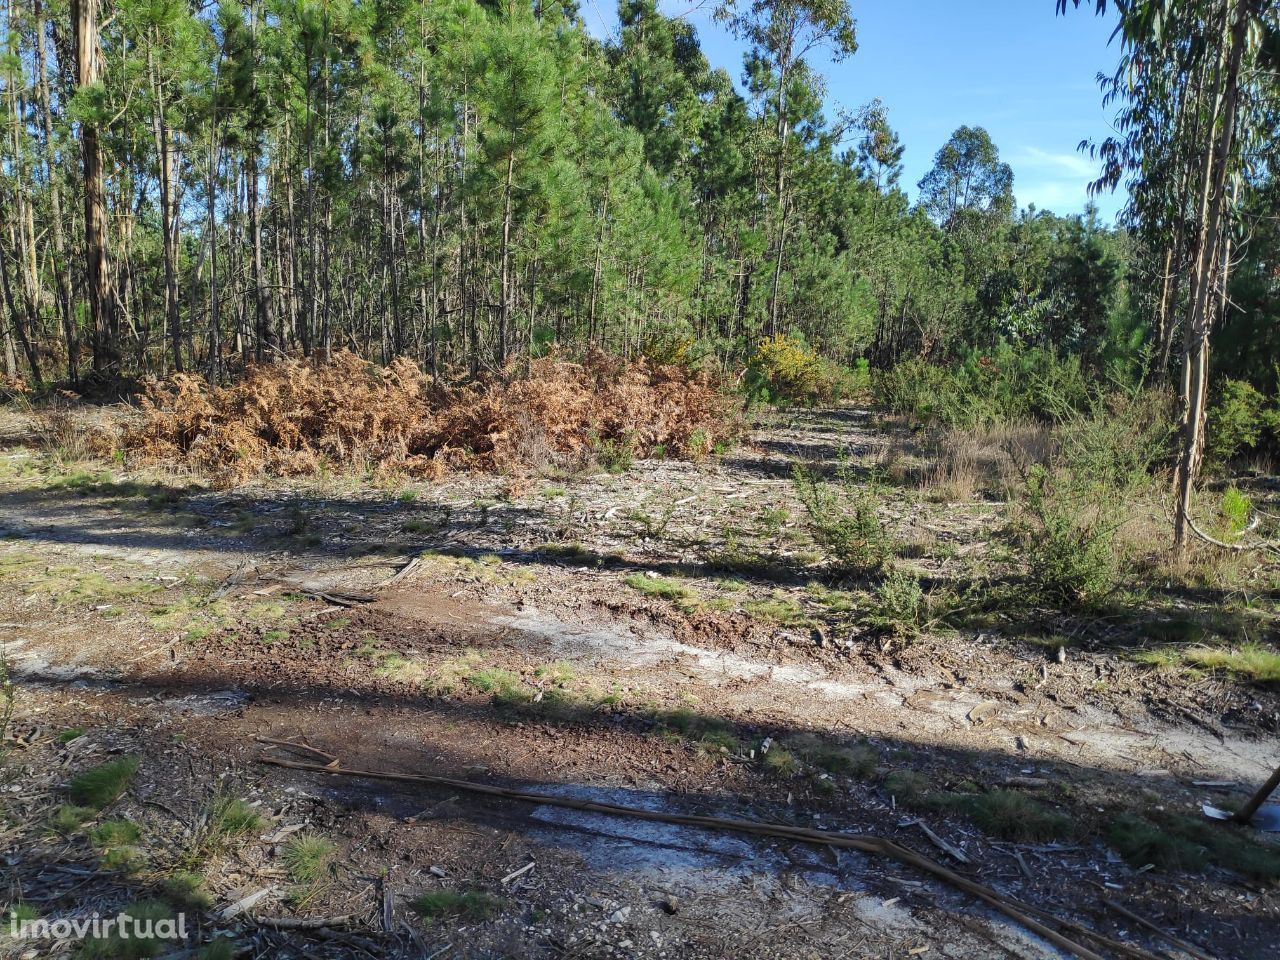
(1070, 544)
(1236, 422)
(848, 526)
(985, 388)
(900, 602)
(302, 417)
(786, 369)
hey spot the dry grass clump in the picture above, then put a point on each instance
(298, 417)
(994, 457)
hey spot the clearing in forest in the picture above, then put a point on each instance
(675, 637)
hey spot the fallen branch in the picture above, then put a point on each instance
(1235, 547)
(1021, 913)
(329, 759)
(1187, 948)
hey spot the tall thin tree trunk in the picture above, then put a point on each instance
(504, 308)
(61, 264)
(102, 310)
(1208, 264)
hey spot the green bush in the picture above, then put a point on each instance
(787, 370)
(900, 602)
(1069, 541)
(984, 388)
(1239, 421)
(845, 524)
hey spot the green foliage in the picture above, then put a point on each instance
(307, 857)
(786, 370)
(103, 784)
(448, 904)
(122, 947)
(230, 818)
(184, 888)
(117, 842)
(779, 763)
(1015, 816)
(858, 761)
(18, 915)
(67, 818)
(1238, 422)
(1251, 661)
(615, 456)
(709, 731)
(1069, 543)
(660, 587)
(900, 601)
(1234, 509)
(1172, 841)
(844, 523)
(1007, 384)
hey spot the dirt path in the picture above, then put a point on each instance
(641, 639)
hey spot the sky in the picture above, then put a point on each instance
(1011, 66)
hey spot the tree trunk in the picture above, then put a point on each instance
(504, 308)
(1208, 265)
(97, 266)
(61, 264)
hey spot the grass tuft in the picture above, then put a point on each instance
(104, 784)
(858, 762)
(118, 947)
(307, 857)
(68, 819)
(1175, 842)
(229, 818)
(1253, 661)
(469, 905)
(659, 587)
(185, 888)
(779, 763)
(1015, 816)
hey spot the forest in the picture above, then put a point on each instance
(481, 486)
(463, 184)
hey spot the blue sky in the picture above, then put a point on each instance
(1008, 65)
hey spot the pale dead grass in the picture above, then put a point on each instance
(993, 459)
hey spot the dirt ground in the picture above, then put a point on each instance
(645, 639)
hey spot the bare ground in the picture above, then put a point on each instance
(529, 643)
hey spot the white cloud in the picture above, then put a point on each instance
(1074, 163)
(1057, 195)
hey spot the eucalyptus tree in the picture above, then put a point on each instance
(1197, 87)
(968, 181)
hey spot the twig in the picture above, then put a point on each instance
(301, 747)
(941, 844)
(246, 903)
(301, 923)
(518, 873)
